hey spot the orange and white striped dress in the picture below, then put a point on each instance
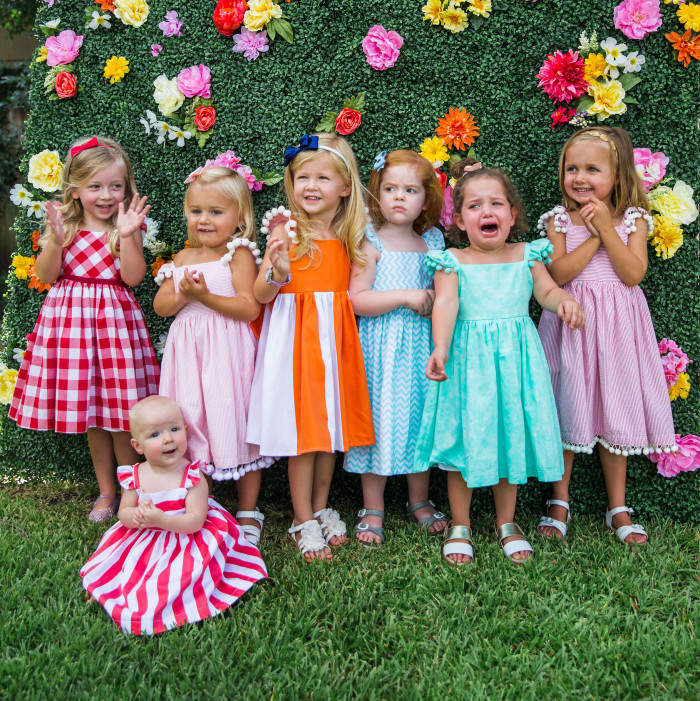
(309, 390)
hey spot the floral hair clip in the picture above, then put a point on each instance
(230, 160)
(379, 161)
(470, 169)
(310, 143)
(598, 134)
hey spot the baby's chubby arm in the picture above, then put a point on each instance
(554, 299)
(147, 515)
(127, 508)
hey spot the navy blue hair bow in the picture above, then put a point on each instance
(306, 143)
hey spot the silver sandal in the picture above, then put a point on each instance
(426, 521)
(366, 528)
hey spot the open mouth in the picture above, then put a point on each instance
(170, 452)
(489, 229)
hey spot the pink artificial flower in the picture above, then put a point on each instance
(156, 49)
(382, 48)
(651, 167)
(171, 26)
(562, 76)
(673, 360)
(247, 173)
(562, 115)
(666, 345)
(685, 459)
(637, 18)
(50, 3)
(63, 49)
(227, 159)
(250, 44)
(447, 208)
(194, 81)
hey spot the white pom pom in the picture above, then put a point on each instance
(264, 230)
(667, 449)
(259, 261)
(645, 451)
(265, 221)
(618, 451)
(633, 228)
(256, 252)
(287, 212)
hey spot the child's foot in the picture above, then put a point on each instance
(553, 525)
(618, 520)
(510, 537)
(369, 530)
(333, 528)
(457, 549)
(424, 513)
(309, 539)
(105, 506)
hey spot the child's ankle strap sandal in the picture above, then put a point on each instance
(311, 540)
(367, 528)
(506, 531)
(331, 523)
(454, 544)
(623, 531)
(553, 522)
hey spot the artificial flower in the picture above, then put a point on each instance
(36, 209)
(686, 47)
(607, 99)
(480, 7)
(379, 161)
(22, 264)
(637, 18)
(46, 171)
(667, 345)
(594, 67)
(19, 196)
(689, 16)
(685, 459)
(634, 62)
(432, 11)
(18, 354)
(347, 121)
(447, 208)
(171, 26)
(228, 16)
(457, 129)
(677, 204)
(562, 76)
(259, 13)
(167, 95)
(36, 235)
(180, 135)
(562, 115)
(105, 5)
(51, 24)
(131, 12)
(586, 45)
(650, 167)
(250, 44)
(614, 56)
(42, 54)
(99, 21)
(65, 84)
(434, 150)
(50, 3)
(681, 388)
(454, 19)
(164, 130)
(195, 81)
(673, 360)
(381, 48)
(116, 68)
(205, 118)
(8, 377)
(666, 238)
(36, 284)
(155, 50)
(63, 49)
(157, 264)
(159, 345)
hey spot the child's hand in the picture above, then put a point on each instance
(571, 313)
(193, 285)
(129, 220)
(420, 301)
(279, 255)
(147, 515)
(436, 366)
(55, 218)
(596, 216)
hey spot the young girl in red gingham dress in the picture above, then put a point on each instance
(89, 358)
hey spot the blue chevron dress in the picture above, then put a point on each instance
(396, 347)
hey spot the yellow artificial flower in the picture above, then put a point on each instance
(666, 238)
(46, 171)
(480, 7)
(22, 264)
(41, 56)
(689, 15)
(131, 12)
(594, 67)
(116, 68)
(434, 150)
(454, 19)
(8, 378)
(681, 388)
(676, 205)
(167, 95)
(259, 13)
(607, 98)
(432, 11)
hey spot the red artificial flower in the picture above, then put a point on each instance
(562, 76)
(561, 115)
(35, 240)
(65, 84)
(442, 178)
(228, 15)
(105, 5)
(347, 121)
(205, 118)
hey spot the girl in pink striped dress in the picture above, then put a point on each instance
(176, 556)
(608, 378)
(209, 356)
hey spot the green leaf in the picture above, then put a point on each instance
(584, 103)
(471, 153)
(271, 31)
(327, 123)
(272, 178)
(630, 100)
(283, 28)
(628, 81)
(477, 22)
(456, 158)
(356, 103)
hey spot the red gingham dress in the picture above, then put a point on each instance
(89, 358)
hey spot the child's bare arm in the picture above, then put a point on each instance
(566, 266)
(445, 312)
(127, 508)
(277, 256)
(554, 299)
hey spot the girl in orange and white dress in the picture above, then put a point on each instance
(309, 397)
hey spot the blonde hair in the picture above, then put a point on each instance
(233, 187)
(350, 220)
(627, 190)
(77, 171)
(434, 199)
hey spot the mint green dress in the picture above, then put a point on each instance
(495, 416)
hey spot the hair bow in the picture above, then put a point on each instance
(90, 143)
(379, 161)
(306, 143)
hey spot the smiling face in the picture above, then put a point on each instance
(486, 214)
(318, 187)
(401, 195)
(212, 218)
(159, 432)
(100, 196)
(588, 171)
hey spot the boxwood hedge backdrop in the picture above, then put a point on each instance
(488, 69)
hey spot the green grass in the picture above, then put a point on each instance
(590, 619)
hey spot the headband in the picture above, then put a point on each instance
(310, 143)
(598, 134)
(90, 143)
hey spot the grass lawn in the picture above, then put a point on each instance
(590, 619)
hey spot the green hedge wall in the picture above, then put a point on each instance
(266, 104)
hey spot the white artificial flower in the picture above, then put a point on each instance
(159, 345)
(36, 209)
(52, 24)
(163, 130)
(18, 355)
(99, 20)
(634, 62)
(20, 196)
(586, 45)
(167, 95)
(613, 52)
(179, 135)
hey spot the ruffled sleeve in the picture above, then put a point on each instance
(166, 271)
(434, 239)
(539, 250)
(435, 261)
(126, 476)
(192, 474)
(372, 236)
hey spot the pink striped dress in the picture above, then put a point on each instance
(608, 379)
(149, 580)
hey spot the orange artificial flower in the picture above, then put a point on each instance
(35, 240)
(157, 264)
(35, 283)
(457, 129)
(686, 47)
(105, 5)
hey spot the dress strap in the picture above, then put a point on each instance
(632, 214)
(373, 237)
(435, 261)
(434, 239)
(241, 242)
(541, 249)
(192, 474)
(164, 272)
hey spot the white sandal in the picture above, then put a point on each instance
(623, 531)
(453, 545)
(331, 524)
(252, 533)
(552, 522)
(311, 540)
(510, 529)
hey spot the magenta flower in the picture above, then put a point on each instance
(685, 459)
(63, 49)
(250, 44)
(227, 159)
(562, 115)
(50, 3)
(382, 48)
(666, 345)
(651, 167)
(673, 360)
(156, 49)
(171, 25)
(562, 76)
(637, 18)
(447, 208)
(194, 81)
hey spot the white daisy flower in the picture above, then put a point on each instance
(163, 130)
(634, 62)
(180, 136)
(36, 209)
(613, 52)
(52, 24)
(99, 20)
(20, 196)
(18, 355)
(159, 345)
